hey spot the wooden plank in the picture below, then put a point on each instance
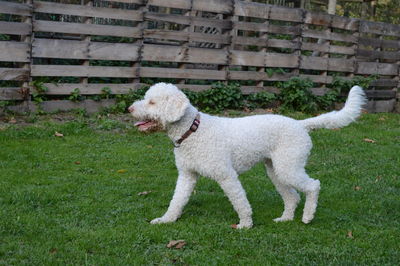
(83, 71)
(345, 23)
(265, 27)
(381, 94)
(318, 78)
(181, 4)
(14, 74)
(90, 88)
(246, 58)
(14, 51)
(372, 55)
(169, 53)
(277, 43)
(15, 9)
(379, 28)
(259, 76)
(385, 83)
(7, 94)
(139, 2)
(249, 41)
(186, 20)
(329, 36)
(371, 68)
(216, 6)
(186, 36)
(379, 43)
(86, 29)
(50, 48)
(314, 63)
(316, 18)
(15, 28)
(281, 60)
(250, 9)
(152, 72)
(293, 30)
(286, 14)
(87, 11)
(341, 64)
(262, 59)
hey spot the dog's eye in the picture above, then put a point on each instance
(151, 102)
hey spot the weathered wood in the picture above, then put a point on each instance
(371, 68)
(15, 28)
(86, 29)
(140, 2)
(380, 94)
(217, 6)
(327, 64)
(265, 27)
(262, 59)
(381, 106)
(15, 9)
(391, 44)
(333, 36)
(345, 23)
(14, 74)
(385, 83)
(372, 54)
(379, 28)
(315, 18)
(259, 76)
(250, 9)
(151, 72)
(90, 88)
(186, 36)
(14, 51)
(169, 53)
(87, 11)
(83, 71)
(186, 20)
(50, 48)
(10, 94)
(327, 48)
(182, 4)
(318, 78)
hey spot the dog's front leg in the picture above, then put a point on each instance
(237, 196)
(184, 187)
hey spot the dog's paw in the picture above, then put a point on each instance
(283, 219)
(307, 219)
(161, 220)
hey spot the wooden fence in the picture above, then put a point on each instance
(121, 44)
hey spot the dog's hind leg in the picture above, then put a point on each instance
(289, 195)
(289, 170)
(237, 196)
(184, 188)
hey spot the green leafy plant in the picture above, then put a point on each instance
(106, 93)
(260, 99)
(296, 95)
(39, 91)
(125, 100)
(75, 95)
(220, 97)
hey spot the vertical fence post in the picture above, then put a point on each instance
(26, 86)
(140, 42)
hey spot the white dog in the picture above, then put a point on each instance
(221, 148)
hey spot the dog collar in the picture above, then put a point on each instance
(193, 128)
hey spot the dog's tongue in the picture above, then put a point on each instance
(144, 125)
(140, 123)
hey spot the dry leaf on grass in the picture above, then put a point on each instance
(58, 134)
(53, 250)
(77, 162)
(382, 118)
(350, 234)
(357, 188)
(144, 193)
(121, 171)
(378, 178)
(178, 244)
(12, 120)
(234, 226)
(369, 140)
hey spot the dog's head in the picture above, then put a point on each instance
(162, 104)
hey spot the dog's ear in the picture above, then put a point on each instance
(176, 107)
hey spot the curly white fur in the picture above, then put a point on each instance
(222, 148)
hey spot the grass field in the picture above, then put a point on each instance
(74, 200)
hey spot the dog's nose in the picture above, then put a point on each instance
(131, 109)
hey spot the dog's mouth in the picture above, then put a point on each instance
(147, 125)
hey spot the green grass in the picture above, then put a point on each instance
(63, 201)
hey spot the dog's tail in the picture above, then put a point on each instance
(336, 119)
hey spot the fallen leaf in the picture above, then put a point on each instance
(369, 140)
(53, 250)
(378, 178)
(121, 171)
(12, 120)
(382, 118)
(77, 162)
(350, 234)
(58, 134)
(144, 193)
(357, 188)
(149, 146)
(269, 110)
(178, 244)
(234, 226)
(364, 111)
